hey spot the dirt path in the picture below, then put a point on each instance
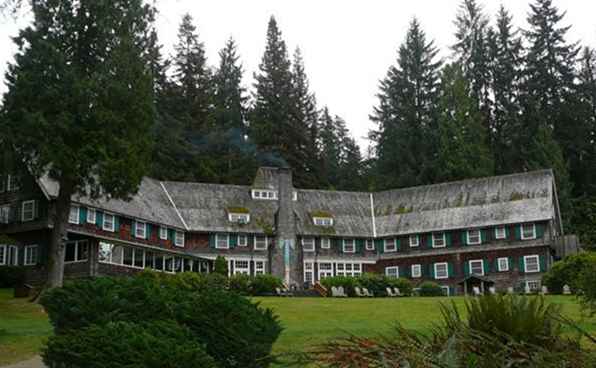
(31, 363)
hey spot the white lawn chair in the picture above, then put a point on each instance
(476, 290)
(359, 292)
(397, 292)
(492, 290)
(342, 292)
(527, 289)
(367, 293)
(510, 290)
(544, 290)
(334, 292)
(280, 292)
(566, 290)
(390, 292)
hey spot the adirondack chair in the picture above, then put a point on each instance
(510, 290)
(390, 292)
(476, 290)
(397, 292)
(492, 290)
(334, 292)
(366, 292)
(342, 292)
(281, 292)
(359, 292)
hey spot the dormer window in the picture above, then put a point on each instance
(323, 221)
(239, 218)
(264, 194)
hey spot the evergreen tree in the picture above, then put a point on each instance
(330, 149)
(505, 77)
(352, 166)
(463, 152)
(88, 128)
(406, 140)
(587, 97)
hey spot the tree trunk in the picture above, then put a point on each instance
(59, 235)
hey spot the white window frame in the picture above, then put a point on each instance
(74, 209)
(503, 269)
(533, 256)
(105, 223)
(138, 226)
(11, 183)
(3, 183)
(500, 235)
(23, 205)
(179, 238)
(475, 261)
(536, 282)
(416, 271)
(345, 243)
(389, 271)
(239, 218)
(414, 240)
(308, 244)
(469, 237)
(14, 260)
(309, 270)
(241, 270)
(219, 237)
(28, 250)
(260, 266)
(266, 194)
(325, 243)
(265, 238)
(327, 272)
(434, 240)
(3, 254)
(91, 215)
(242, 240)
(387, 250)
(77, 245)
(163, 233)
(436, 265)
(4, 214)
(533, 236)
(323, 221)
(369, 244)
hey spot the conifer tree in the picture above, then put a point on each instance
(463, 152)
(406, 114)
(330, 149)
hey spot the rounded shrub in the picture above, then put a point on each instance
(265, 284)
(348, 283)
(568, 271)
(123, 344)
(429, 288)
(11, 276)
(240, 284)
(220, 266)
(404, 285)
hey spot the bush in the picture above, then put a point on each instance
(568, 270)
(234, 331)
(404, 285)
(348, 283)
(587, 290)
(429, 288)
(375, 283)
(11, 276)
(265, 284)
(240, 284)
(123, 344)
(220, 266)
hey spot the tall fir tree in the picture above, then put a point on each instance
(406, 115)
(463, 151)
(505, 68)
(330, 149)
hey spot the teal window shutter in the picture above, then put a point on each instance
(397, 244)
(521, 264)
(486, 266)
(448, 238)
(211, 240)
(542, 263)
(450, 272)
(539, 230)
(483, 236)
(250, 240)
(171, 235)
(148, 229)
(116, 223)
(82, 215)
(379, 245)
(359, 245)
(510, 263)
(464, 237)
(432, 271)
(429, 240)
(133, 228)
(99, 218)
(507, 232)
(233, 240)
(466, 268)
(517, 232)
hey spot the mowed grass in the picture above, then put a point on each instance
(311, 321)
(23, 328)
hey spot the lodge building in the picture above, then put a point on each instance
(502, 230)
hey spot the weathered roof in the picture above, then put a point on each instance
(481, 202)
(266, 178)
(204, 207)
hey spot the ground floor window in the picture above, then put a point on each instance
(477, 267)
(348, 269)
(76, 251)
(503, 264)
(533, 285)
(325, 270)
(416, 271)
(259, 267)
(309, 273)
(31, 255)
(441, 270)
(2, 255)
(242, 267)
(392, 271)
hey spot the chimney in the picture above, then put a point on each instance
(286, 255)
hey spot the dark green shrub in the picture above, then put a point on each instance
(568, 270)
(587, 290)
(123, 344)
(429, 288)
(236, 332)
(375, 283)
(220, 266)
(240, 284)
(348, 283)
(404, 285)
(265, 284)
(11, 276)
(192, 281)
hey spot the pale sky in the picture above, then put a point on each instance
(347, 45)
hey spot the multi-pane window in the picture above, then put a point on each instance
(4, 214)
(259, 267)
(222, 241)
(76, 251)
(348, 269)
(163, 233)
(240, 218)
(392, 271)
(532, 263)
(439, 240)
(30, 255)
(416, 271)
(441, 270)
(325, 270)
(349, 246)
(28, 211)
(500, 232)
(533, 285)
(12, 183)
(108, 222)
(325, 243)
(308, 244)
(179, 238)
(323, 221)
(242, 267)
(2, 254)
(91, 215)
(73, 216)
(370, 245)
(528, 231)
(264, 194)
(474, 237)
(308, 273)
(140, 229)
(242, 240)
(389, 245)
(476, 267)
(260, 242)
(414, 240)
(503, 264)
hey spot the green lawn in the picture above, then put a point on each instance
(23, 327)
(307, 321)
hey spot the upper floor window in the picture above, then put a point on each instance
(392, 271)
(108, 222)
(323, 221)
(528, 231)
(308, 244)
(222, 241)
(163, 233)
(5, 214)
(91, 215)
(414, 241)
(140, 229)
(325, 243)
(28, 211)
(503, 264)
(441, 270)
(532, 263)
(242, 240)
(240, 218)
(476, 267)
(439, 240)
(30, 255)
(12, 183)
(2, 254)
(179, 239)
(2, 184)
(264, 194)
(349, 246)
(474, 237)
(416, 271)
(261, 242)
(389, 245)
(370, 245)
(500, 232)
(73, 216)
